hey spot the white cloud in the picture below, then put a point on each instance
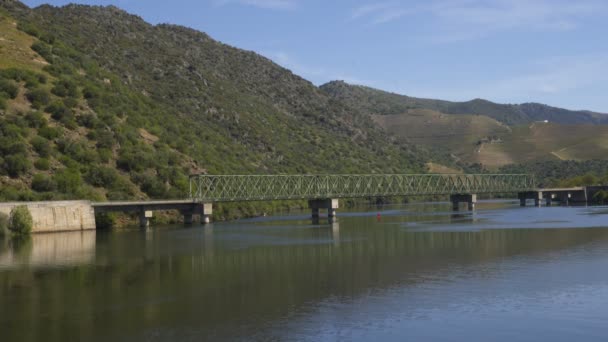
(267, 4)
(379, 13)
(470, 19)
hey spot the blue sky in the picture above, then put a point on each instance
(508, 51)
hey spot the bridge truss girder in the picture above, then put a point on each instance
(232, 188)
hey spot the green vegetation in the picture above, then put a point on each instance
(83, 119)
(564, 173)
(21, 220)
(4, 222)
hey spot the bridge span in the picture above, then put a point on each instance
(323, 191)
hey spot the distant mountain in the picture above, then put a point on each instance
(479, 131)
(374, 101)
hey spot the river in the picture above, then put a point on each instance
(413, 272)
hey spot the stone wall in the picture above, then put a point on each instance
(57, 216)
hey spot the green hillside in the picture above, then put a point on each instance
(96, 103)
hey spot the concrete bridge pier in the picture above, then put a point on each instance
(203, 210)
(144, 218)
(469, 199)
(327, 203)
(537, 196)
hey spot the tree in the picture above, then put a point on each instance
(21, 221)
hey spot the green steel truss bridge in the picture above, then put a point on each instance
(233, 188)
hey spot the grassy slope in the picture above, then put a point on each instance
(457, 133)
(541, 141)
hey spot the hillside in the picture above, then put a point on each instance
(96, 103)
(459, 134)
(482, 132)
(376, 101)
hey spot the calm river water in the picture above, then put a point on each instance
(416, 273)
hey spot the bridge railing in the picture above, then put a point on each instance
(229, 188)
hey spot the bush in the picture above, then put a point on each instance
(102, 177)
(35, 119)
(43, 183)
(9, 88)
(105, 220)
(60, 112)
(104, 155)
(68, 180)
(17, 147)
(4, 224)
(49, 132)
(21, 221)
(65, 88)
(70, 102)
(42, 164)
(42, 146)
(16, 165)
(38, 97)
(43, 50)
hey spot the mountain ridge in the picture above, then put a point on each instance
(511, 114)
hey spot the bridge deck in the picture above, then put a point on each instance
(136, 206)
(579, 188)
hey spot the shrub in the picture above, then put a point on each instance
(60, 112)
(17, 147)
(105, 139)
(9, 88)
(16, 165)
(49, 132)
(65, 88)
(42, 146)
(28, 28)
(105, 220)
(104, 155)
(4, 224)
(70, 102)
(68, 180)
(39, 97)
(43, 50)
(42, 164)
(88, 120)
(102, 177)
(43, 183)
(21, 221)
(35, 119)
